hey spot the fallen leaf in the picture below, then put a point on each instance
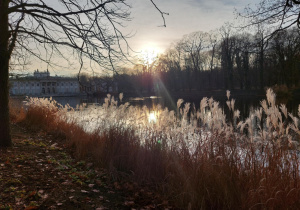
(129, 203)
(31, 207)
(117, 186)
(53, 145)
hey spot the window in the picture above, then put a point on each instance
(38, 84)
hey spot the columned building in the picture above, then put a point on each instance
(42, 84)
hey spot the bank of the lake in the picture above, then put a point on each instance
(41, 172)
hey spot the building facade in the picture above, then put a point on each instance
(42, 84)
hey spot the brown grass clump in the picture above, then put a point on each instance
(17, 112)
(218, 166)
(223, 180)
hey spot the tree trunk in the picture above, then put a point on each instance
(5, 138)
(261, 65)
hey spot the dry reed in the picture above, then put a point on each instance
(196, 158)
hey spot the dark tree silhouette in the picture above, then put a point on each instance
(90, 29)
(280, 14)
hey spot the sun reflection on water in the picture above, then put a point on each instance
(152, 117)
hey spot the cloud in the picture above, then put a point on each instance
(186, 16)
(217, 5)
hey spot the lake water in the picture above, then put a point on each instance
(246, 104)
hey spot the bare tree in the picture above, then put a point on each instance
(280, 14)
(194, 44)
(227, 47)
(284, 49)
(260, 46)
(242, 51)
(213, 41)
(90, 29)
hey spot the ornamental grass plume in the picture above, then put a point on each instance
(179, 103)
(228, 94)
(271, 97)
(258, 113)
(196, 158)
(228, 104)
(284, 110)
(232, 104)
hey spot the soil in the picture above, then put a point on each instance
(40, 172)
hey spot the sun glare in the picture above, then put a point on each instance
(150, 54)
(152, 117)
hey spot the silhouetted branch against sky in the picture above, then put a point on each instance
(162, 13)
(90, 29)
(276, 14)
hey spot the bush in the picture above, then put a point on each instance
(195, 158)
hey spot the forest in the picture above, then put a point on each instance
(222, 59)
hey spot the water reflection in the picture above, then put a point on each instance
(245, 104)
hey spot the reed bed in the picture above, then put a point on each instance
(198, 158)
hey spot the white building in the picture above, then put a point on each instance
(42, 84)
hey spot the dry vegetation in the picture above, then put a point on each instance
(200, 159)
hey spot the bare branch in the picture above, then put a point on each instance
(162, 13)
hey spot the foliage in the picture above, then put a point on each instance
(195, 157)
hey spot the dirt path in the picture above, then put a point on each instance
(39, 173)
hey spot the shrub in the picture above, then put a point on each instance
(17, 112)
(195, 157)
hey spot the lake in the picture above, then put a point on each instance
(246, 104)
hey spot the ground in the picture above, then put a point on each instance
(40, 172)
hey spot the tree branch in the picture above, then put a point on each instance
(162, 13)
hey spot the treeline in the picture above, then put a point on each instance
(220, 60)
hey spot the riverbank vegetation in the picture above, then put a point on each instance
(218, 60)
(197, 158)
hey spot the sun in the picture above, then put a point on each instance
(150, 54)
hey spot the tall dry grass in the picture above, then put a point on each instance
(16, 110)
(197, 158)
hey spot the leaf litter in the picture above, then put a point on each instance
(40, 172)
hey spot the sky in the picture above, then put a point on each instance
(185, 16)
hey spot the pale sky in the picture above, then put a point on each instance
(185, 16)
